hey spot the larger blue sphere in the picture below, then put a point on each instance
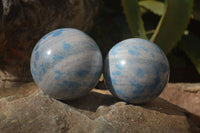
(136, 70)
(66, 63)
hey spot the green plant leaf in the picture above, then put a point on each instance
(156, 7)
(172, 24)
(101, 78)
(134, 19)
(190, 44)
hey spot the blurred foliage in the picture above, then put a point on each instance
(134, 19)
(157, 7)
(162, 21)
(190, 42)
(110, 26)
(175, 14)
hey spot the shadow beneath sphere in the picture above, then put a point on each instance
(96, 98)
(163, 106)
(92, 101)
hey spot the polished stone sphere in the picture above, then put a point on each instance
(136, 70)
(66, 63)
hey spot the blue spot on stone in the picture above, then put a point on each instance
(166, 80)
(93, 47)
(39, 76)
(164, 68)
(37, 56)
(66, 46)
(118, 66)
(159, 90)
(114, 82)
(43, 69)
(160, 67)
(57, 32)
(35, 64)
(59, 84)
(58, 75)
(143, 48)
(135, 47)
(134, 53)
(33, 72)
(152, 55)
(43, 38)
(138, 91)
(113, 52)
(68, 74)
(157, 81)
(71, 84)
(57, 57)
(118, 45)
(156, 68)
(157, 49)
(140, 73)
(36, 47)
(119, 49)
(155, 84)
(116, 73)
(135, 84)
(82, 73)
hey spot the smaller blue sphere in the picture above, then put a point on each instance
(66, 63)
(136, 70)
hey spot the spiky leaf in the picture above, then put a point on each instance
(173, 23)
(156, 7)
(132, 13)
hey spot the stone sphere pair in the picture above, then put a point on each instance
(67, 63)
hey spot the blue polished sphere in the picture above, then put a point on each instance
(66, 63)
(136, 70)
